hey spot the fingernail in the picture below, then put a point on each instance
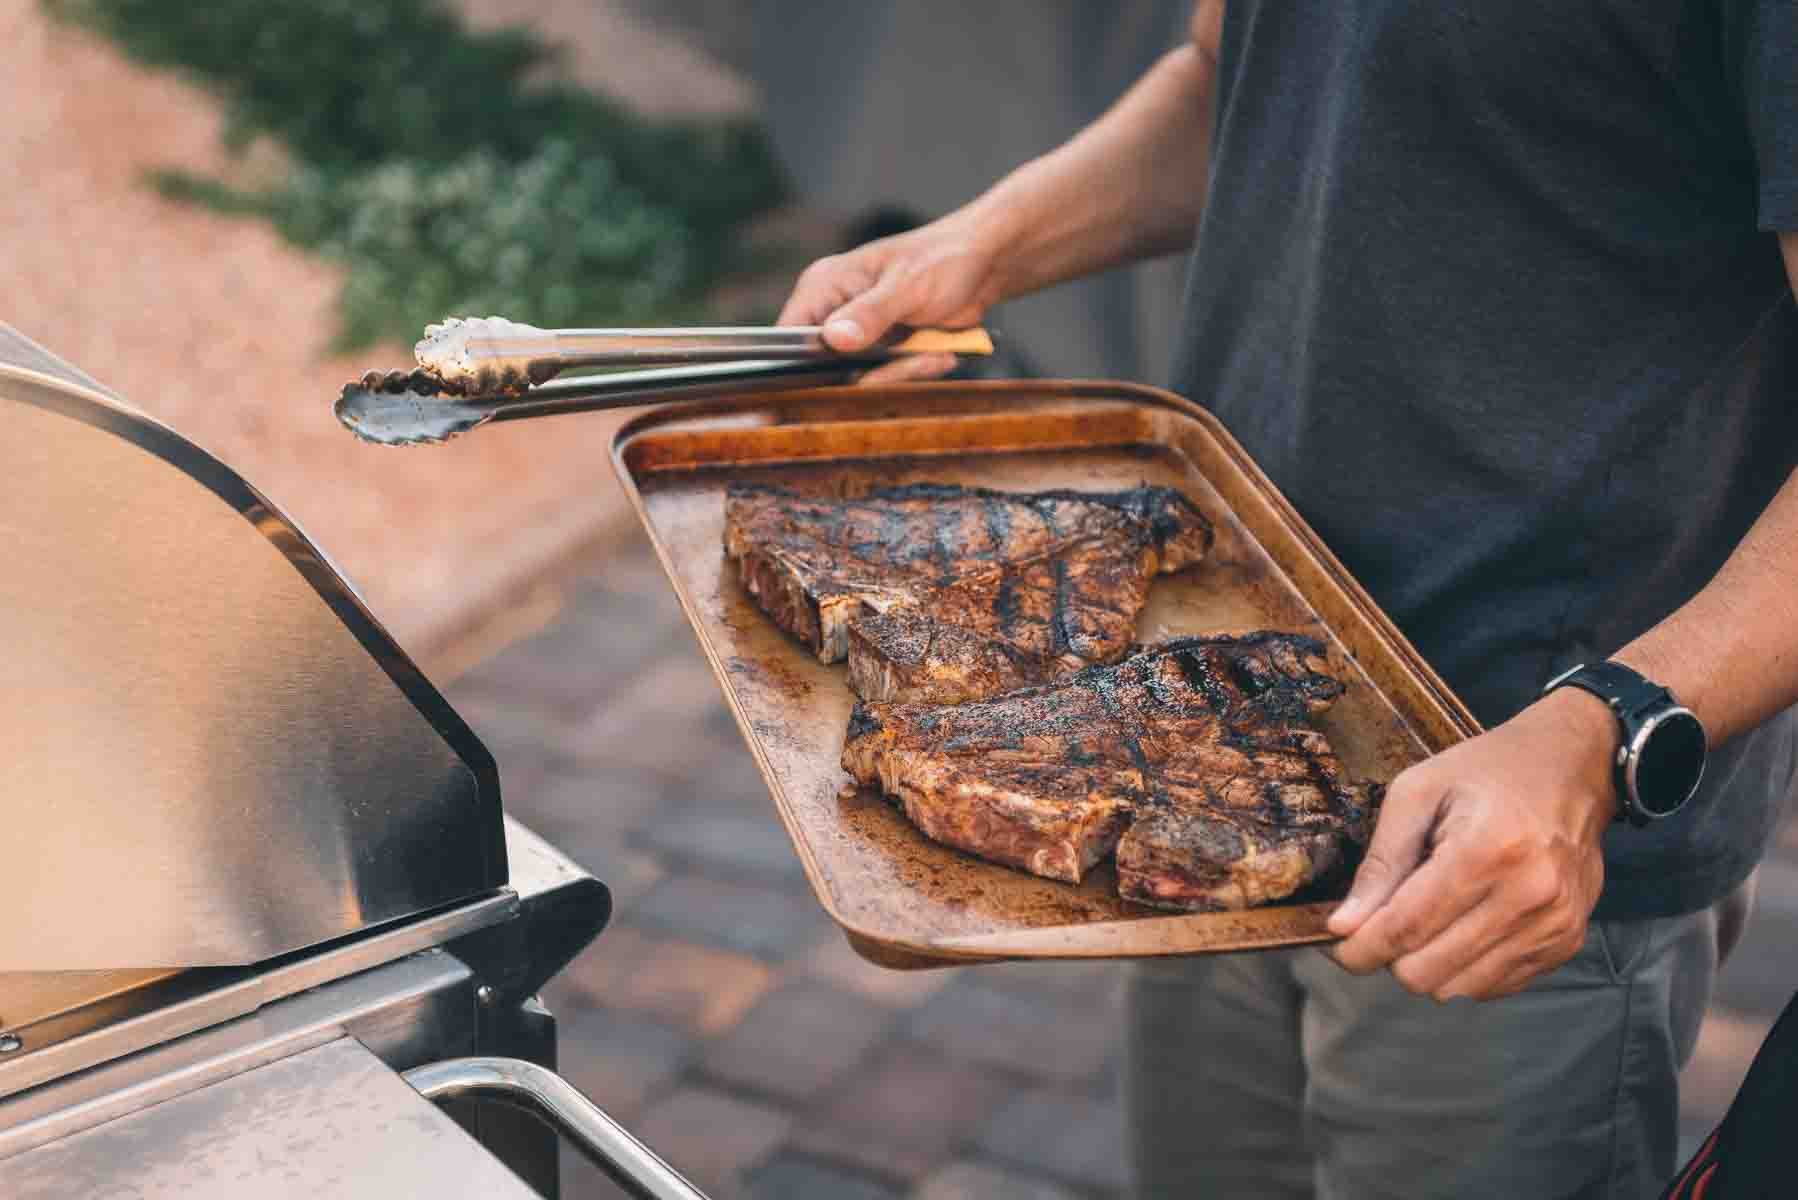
(843, 330)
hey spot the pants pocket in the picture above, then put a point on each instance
(1623, 945)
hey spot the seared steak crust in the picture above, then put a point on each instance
(944, 593)
(1192, 759)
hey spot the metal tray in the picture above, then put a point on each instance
(902, 899)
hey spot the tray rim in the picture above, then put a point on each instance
(965, 949)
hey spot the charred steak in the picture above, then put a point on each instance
(1192, 760)
(944, 593)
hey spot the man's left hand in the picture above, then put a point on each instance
(1484, 865)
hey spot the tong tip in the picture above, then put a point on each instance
(459, 352)
(386, 415)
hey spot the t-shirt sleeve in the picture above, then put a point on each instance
(1762, 45)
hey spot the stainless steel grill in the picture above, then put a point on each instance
(257, 865)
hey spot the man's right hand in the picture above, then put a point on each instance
(942, 275)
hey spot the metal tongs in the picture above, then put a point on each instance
(472, 371)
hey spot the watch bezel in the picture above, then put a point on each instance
(1632, 761)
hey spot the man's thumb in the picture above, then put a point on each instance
(861, 322)
(1401, 837)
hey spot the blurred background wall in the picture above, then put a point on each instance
(918, 105)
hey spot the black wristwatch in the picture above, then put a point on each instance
(1660, 757)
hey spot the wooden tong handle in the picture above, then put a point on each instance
(945, 341)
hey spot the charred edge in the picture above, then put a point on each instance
(893, 529)
(1161, 508)
(1168, 512)
(744, 490)
(944, 528)
(1199, 674)
(863, 721)
(418, 381)
(1061, 639)
(1275, 692)
(1162, 694)
(1005, 601)
(998, 521)
(1260, 637)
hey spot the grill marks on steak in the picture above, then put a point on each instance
(944, 593)
(1192, 760)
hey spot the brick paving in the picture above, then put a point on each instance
(728, 1022)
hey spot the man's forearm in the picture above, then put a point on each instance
(1730, 654)
(1128, 186)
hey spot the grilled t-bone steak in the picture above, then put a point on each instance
(1193, 760)
(945, 593)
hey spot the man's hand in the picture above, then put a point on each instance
(1484, 865)
(940, 275)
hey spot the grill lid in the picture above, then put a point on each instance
(214, 753)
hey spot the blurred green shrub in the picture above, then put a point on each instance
(444, 178)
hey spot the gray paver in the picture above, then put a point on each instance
(796, 1177)
(616, 800)
(725, 842)
(699, 988)
(666, 719)
(619, 1059)
(905, 1111)
(1073, 1138)
(834, 960)
(747, 918)
(710, 1137)
(797, 1041)
(1033, 1034)
(1099, 983)
(975, 1181)
(578, 665)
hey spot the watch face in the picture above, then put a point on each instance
(1669, 762)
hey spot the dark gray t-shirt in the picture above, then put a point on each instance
(1488, 288)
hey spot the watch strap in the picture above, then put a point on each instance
(1630, 696)
(1626, 691)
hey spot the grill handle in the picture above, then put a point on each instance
(552, 1099)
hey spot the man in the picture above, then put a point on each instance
(1494, 292)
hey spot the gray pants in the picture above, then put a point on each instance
(1281, 1075)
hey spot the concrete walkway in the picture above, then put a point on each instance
(725, 1019)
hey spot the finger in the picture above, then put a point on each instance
(824, 287)
(812, 300)
(1428, 901)
(865, 317)
(1452, 952)
(912, 366)
(1523, 904)
(1519, 960)
(1401, 835)
(1508, 969)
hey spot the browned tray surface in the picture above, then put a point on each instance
(901, 898)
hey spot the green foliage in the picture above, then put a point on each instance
(444, 178)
